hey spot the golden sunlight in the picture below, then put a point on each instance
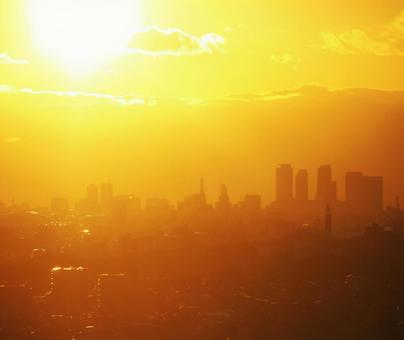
(82, 34)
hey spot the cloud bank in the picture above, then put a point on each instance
(389, 41)
(86, 98)
(155, 41)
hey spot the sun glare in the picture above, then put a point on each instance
(83, 34)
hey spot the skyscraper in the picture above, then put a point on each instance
(284, 183)
(328, 222)
(224, 202)
(252, 203)
(202, 191)
(302, 186)
(326, 187)
(364, 194)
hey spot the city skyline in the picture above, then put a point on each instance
(206, 170)
(161, 149)
(290, 185)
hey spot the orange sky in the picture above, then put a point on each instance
(152, 94)
(259, 46)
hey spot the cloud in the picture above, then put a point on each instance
(6, 59)
(358, 42)
(53, 98)
(389, 41)
(82, 98)
(155, 41)
(286, 59)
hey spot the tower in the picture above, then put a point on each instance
(326, 187)
(202, 191)
(284, 183)
(364, 194)
(328, 222)
(224, 201)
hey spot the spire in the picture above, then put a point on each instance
(202, 190)
(328, 222)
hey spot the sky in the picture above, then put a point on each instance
(254, 46)
(153, 94)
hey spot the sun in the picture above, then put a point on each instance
(83, 34)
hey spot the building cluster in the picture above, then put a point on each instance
(292, 209)
(363, 194)
(114, 268)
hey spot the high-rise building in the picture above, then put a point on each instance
(326, 187)
(302, 186)
(195, 205)
(252, 203)
(89, 205)
(223, 202)
(364, 194)
(328, 222)
(202, 191)
(284, 183)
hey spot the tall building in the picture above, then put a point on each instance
(202, 191)
(194, 206)
(284, 183)
(326, 188)
(223, 202)
(328, 222)
(364, 194)
(89, 205)
(302, 186)
(252, 203)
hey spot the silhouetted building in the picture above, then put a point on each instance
(156, 205)
(223, 203)
(159, 212)
(394, 216)
(194, 210)
(284, 183)
(195, 202)
(364, 194)
(302, 186)
(89, 205)
(202, 191)
(328, 222)
(252, 203)
(326, 187)
(124, 207)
